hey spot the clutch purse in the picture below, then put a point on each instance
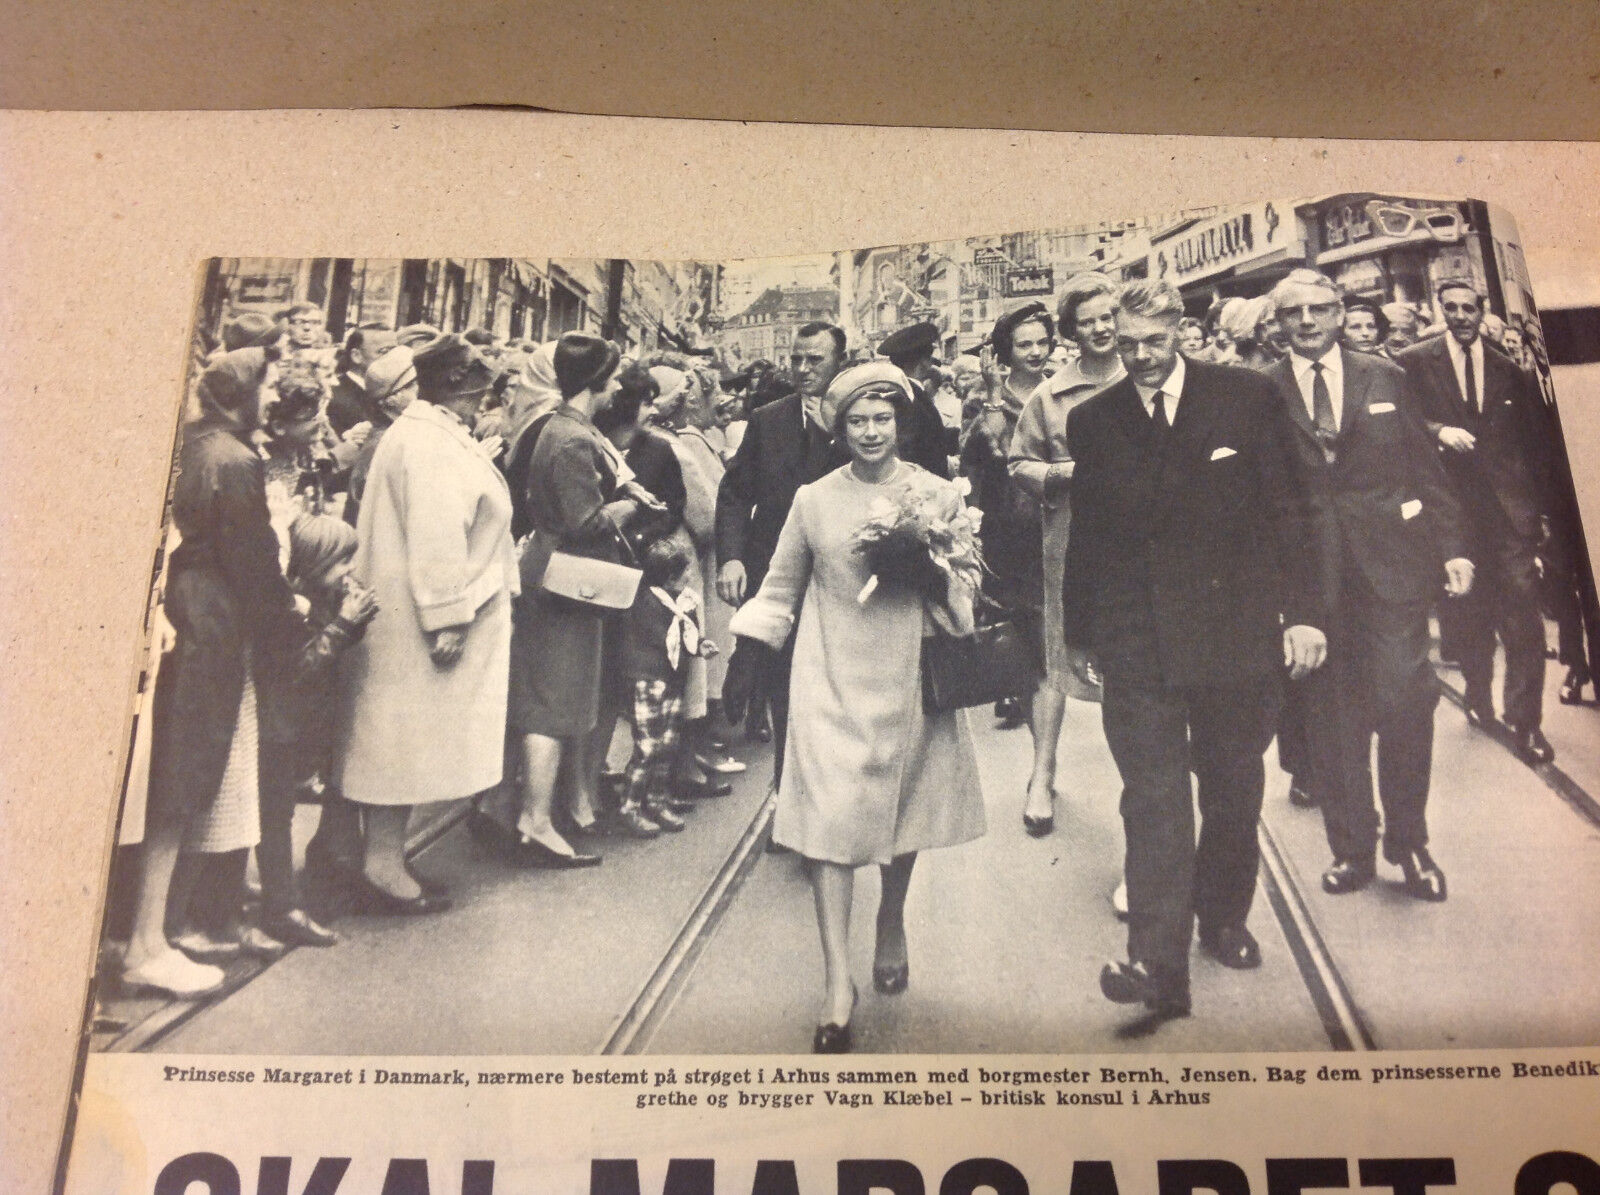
(589, 582)
(994, 661)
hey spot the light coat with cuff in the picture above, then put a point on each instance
(435, 547)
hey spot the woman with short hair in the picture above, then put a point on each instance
(1013, 367)
(870, 776)
(565, 682)
(1041, 468)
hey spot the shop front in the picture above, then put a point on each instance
(1240, 252)
(1391, 248)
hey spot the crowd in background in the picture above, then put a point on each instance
(363, 611)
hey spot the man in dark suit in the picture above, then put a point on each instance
(1389, 533)
(925, 442)
(1498, 448)
(785, 446)
(1188, 579)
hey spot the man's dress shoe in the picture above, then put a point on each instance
(1572, 688)
(1348, 875)
(1232, 946)
(1300, 796)
(1533, 746)
(1132, 983)
(1480, 715)
(1424, 880)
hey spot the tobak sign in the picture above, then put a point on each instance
(1030, 282)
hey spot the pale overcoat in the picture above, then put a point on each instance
(867, 775)
(435, 532)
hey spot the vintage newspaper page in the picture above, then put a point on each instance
(1120, 685)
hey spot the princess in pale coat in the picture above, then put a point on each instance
(869, 776)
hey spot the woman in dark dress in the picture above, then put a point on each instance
(577, 503)
(232, 611)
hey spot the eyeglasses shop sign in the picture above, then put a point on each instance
(1220, 243)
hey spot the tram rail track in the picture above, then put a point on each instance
(652, 1002)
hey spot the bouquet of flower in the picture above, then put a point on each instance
(911, 546)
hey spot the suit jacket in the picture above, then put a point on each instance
(1383, 502)
(1503, 483)
(781, 451)
(924, 441)
(1188, 551)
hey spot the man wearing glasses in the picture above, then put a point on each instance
(1389, 533)
(1488, 420)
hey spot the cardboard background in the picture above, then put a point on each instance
(1361, 68)
(104, 219)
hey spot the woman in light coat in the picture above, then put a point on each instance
(869, 776)
(1041, 470)
(427, 685)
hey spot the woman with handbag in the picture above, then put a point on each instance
(427, 683)
(566, 675)
(870, 777)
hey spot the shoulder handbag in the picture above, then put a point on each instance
(590, 582)
(994, 661)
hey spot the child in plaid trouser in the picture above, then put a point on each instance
(663, 636)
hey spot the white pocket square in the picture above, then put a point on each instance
(1411, 509)
(1380, 408)
(1223, 454)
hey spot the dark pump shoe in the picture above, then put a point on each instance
(1232, 946)
(533, 853)
(297, 928)
(1299, 795)
(831, 1038)
(1533, 746)
(1424, 880)
(1039, 827)
(1348, 875)
(381, 903)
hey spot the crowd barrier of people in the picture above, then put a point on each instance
(427, 566)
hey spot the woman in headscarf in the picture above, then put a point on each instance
(427, 685)
(870, 776)
(232, 610)
(1013, 368)
(1042, 470)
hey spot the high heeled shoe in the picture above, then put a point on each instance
(831, 1038)
(1040, 827)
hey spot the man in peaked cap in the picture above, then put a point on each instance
(923, 441)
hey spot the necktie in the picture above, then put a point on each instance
(1472, 383)
(1322, 412)
(1159, 413)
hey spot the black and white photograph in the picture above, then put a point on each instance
(1173, 634)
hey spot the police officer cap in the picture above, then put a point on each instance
(912, 341)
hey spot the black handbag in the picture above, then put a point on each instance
(994, 661)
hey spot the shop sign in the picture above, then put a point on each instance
(1221, 243)
(261, 289)
(1030, 282)
(380, 292)
(989, 257)
(1403, 219)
